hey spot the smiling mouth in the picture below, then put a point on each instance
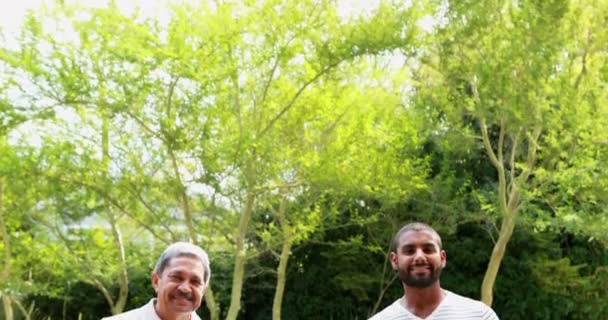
(184, 296)
(182, 301)
(419, 268)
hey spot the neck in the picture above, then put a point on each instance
(423, 301)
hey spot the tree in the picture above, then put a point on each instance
(519, 78)
(27, 255)
(191, 94)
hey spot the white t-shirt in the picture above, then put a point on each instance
(146, 312)
(452, 307)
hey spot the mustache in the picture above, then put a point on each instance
(185, 295)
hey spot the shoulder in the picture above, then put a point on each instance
(395, 311)
(471, 307)
(134, 314)
(143, 313)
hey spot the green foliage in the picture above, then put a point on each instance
(330, 131)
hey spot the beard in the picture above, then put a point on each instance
(419, 281)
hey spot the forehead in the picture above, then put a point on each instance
(415, 237)
(186, 264)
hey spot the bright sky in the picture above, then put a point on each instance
(12, 12)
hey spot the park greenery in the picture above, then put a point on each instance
(291, 141)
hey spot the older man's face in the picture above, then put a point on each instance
(180, 287)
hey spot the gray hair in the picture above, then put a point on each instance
(415, 226)
(183, 249)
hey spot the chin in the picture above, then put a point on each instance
(183, 309)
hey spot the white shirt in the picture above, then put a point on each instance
(452, 307)
(147, 312)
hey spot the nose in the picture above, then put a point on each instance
(184, 287)
(419, 257)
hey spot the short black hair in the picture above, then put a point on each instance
(415, 226)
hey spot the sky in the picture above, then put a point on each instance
(12, 12)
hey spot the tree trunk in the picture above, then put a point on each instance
(212, 305)
(498, 253)
(281, 279)
(509, 194)
(6, 270)
(240, 258)
(123, 277)
(283, 260)
(510, 210)
(7, 303)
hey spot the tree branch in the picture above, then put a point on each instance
(123, 277)
(484, 128)
(27, 313)
(512, 161)
(501, 142)
(273, 70)
(295, 97)
(487, 145)
(105, 292)
(185, 201)
(146, 128)
(152, 211)
(531, 158)
(579, 77)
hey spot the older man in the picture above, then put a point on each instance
(180, 279)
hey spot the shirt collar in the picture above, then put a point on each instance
(150, 311)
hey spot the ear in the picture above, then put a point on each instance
(155, 279)
(444, 257)
(394, 261)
